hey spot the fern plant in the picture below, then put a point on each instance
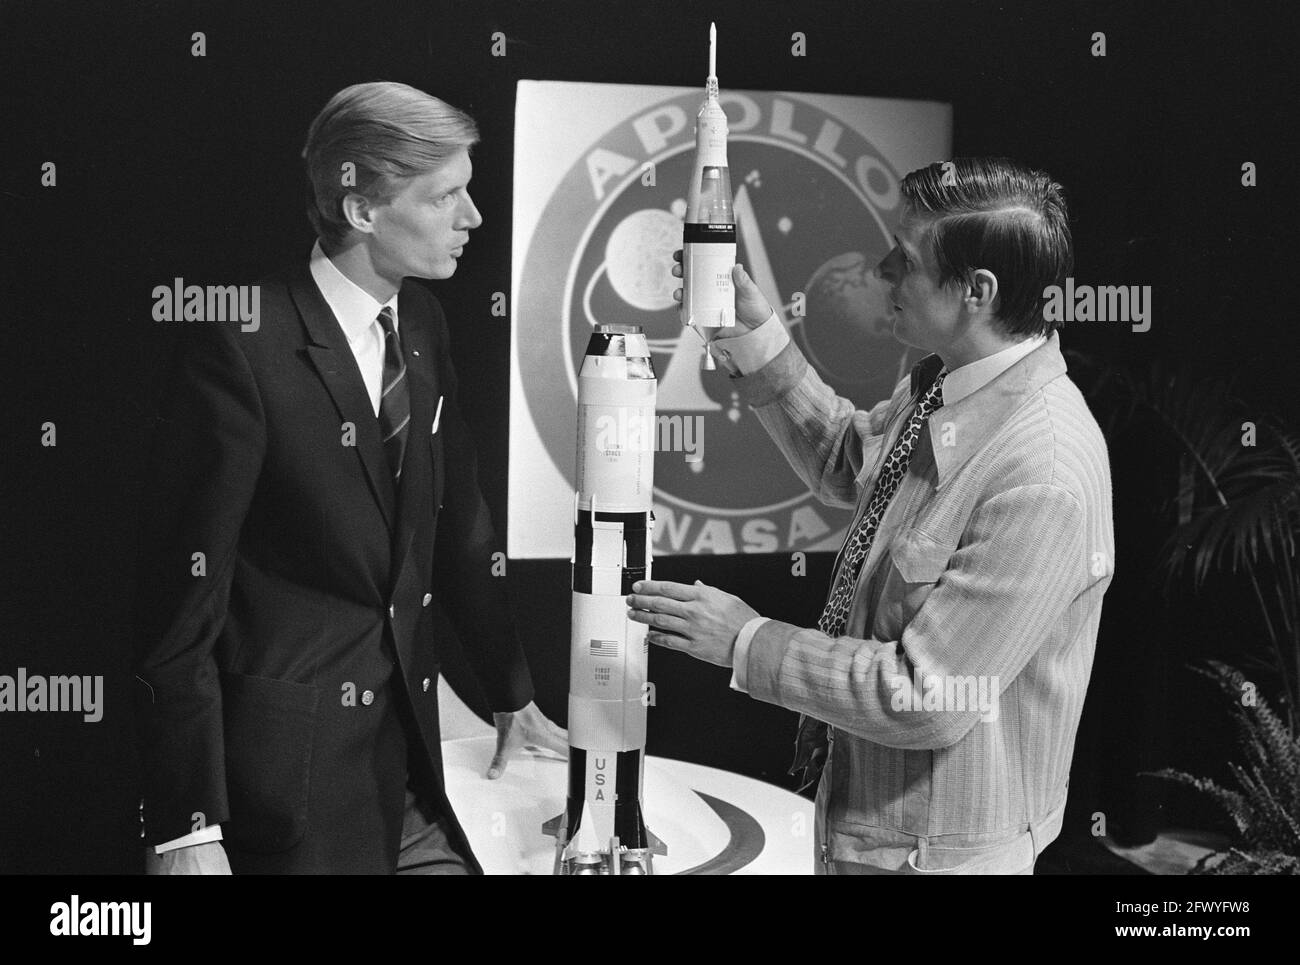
(1265, 806)
(1237, 503)
(1235, 509)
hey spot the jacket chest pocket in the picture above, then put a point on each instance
(916, 563)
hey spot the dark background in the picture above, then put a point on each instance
(171, 165)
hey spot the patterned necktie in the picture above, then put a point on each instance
(811, 742)
(395, 403)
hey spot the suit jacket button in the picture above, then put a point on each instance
(428, 598)
(392, 611)
(367, 697)
(425, 684)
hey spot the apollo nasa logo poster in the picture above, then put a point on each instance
(600, 179)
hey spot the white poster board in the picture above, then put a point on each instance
(600, 179)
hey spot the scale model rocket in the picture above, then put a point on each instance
(709, 235)
(602, 830)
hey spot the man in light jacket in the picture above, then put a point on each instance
(942, 687)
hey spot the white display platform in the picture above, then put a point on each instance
(713, 822)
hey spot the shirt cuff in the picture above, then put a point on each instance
(745, 354)
(740, 654)
(202, 836)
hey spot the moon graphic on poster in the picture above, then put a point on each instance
(639, 258)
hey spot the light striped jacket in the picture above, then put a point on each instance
(985, 579)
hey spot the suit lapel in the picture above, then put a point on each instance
(337, 367)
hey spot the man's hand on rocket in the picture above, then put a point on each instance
(525, 728)
(700, 620)
(752, 309)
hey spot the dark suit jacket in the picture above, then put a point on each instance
(289, 674)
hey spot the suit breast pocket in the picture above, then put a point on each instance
(916, 563)
(269, 725)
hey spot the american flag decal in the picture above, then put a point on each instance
(604, 648)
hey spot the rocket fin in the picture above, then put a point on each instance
(656, 846)
(553, 826)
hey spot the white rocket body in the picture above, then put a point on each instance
(602, 830)
(709, 234)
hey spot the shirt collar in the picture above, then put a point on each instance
(965, 379)
(354, 308)
(960, 430)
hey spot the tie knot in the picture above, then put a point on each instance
(387, 321)
(933, 399)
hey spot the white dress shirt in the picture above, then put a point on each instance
(358, 315)
(748, 353)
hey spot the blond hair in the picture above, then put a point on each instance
(372, 138)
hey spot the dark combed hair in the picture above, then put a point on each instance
(1001, 216)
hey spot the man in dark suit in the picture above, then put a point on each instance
(313, 492)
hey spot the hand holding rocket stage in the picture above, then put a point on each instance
(752, 306)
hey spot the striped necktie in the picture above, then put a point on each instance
(811, 742)
(395, 403)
